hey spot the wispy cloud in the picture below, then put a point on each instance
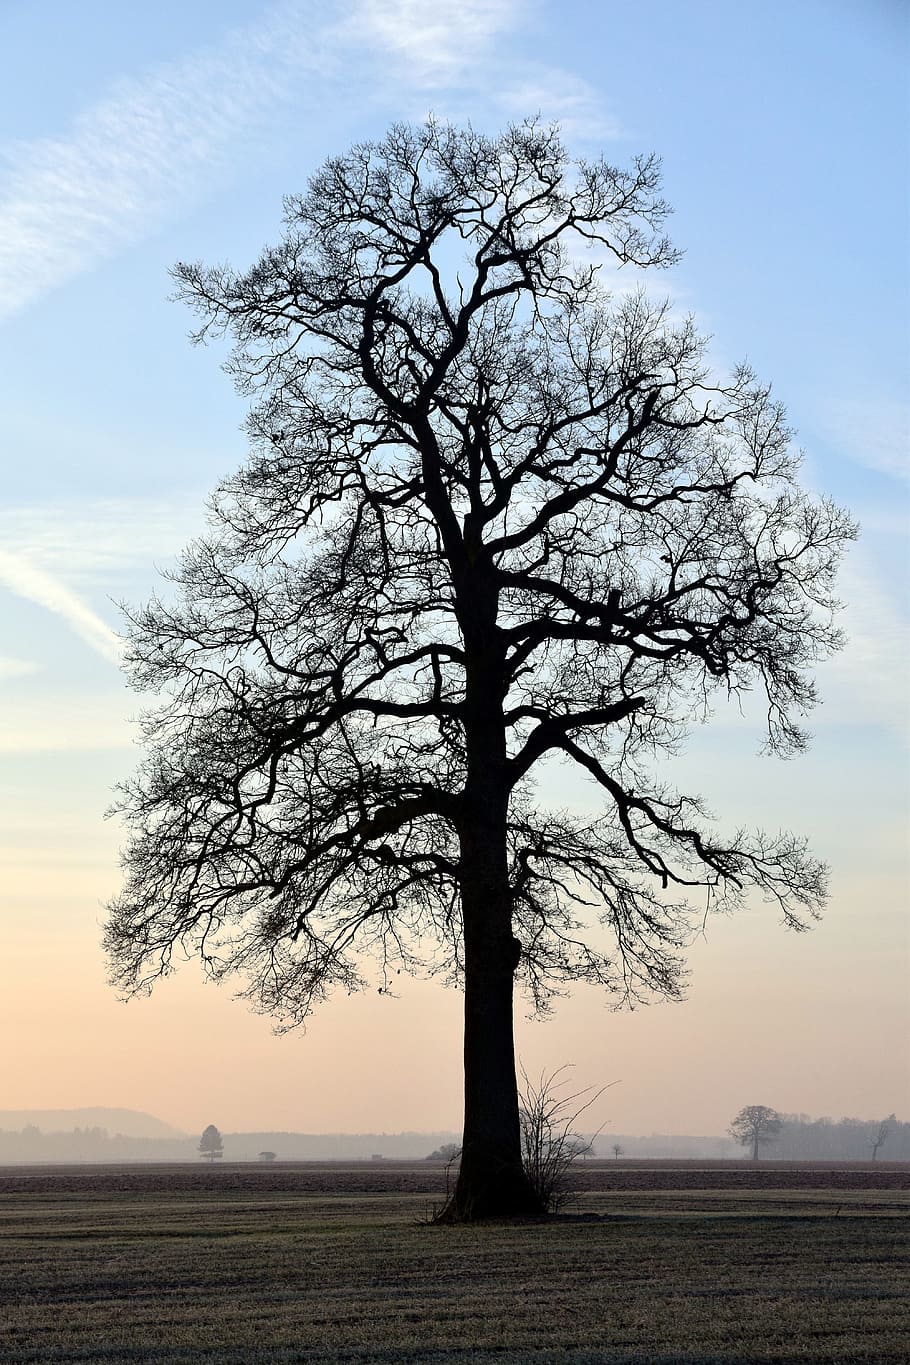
(153, 142)
(16, 668)
(456, 52)
(866, 684)
(96, 540)
(36, 585)
(873, 431)
(561, 97)
(53, 553)
(160, 141)
(435, 43)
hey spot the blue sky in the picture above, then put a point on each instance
(134, 136)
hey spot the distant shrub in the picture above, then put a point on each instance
(449, 1151)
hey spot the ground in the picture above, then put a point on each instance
(667, 1263)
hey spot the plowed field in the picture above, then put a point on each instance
(668, 1263)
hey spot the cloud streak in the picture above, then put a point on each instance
(94, 544)
(16, 668)
(36, 585)
(97, 541)
(562, 97)
(155, 141)
(866, 683)
(872, 430)
(159, 142)
(453, 52)
(435, 43)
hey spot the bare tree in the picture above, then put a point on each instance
(881, 1134)
(617, 1150)
(210, 1144)
(754, 1126)
(491, 516)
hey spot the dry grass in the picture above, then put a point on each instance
(186, 1271)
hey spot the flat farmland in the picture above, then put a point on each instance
(713, 1263)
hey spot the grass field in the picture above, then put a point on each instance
(714, 1263)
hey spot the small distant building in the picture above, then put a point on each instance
(266, 1156)
(377, 1156)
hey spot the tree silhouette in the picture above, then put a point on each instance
(210, 1144)
(754, 1126)
(881, 1134)
(449, 1152)
(491, 517)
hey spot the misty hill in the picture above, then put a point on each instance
(130, 1123)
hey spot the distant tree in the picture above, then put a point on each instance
(266, 1156)
(754, 1126)
(449, 1151)
(881, 1135)
(493, 516)
(210, 1144)
(617, 1150)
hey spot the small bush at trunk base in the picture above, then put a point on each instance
(549, 1144)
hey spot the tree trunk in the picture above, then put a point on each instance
(491, 1182)
(755, 1147)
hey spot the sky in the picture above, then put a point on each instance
(132, 137)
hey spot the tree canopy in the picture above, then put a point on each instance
(755, 1126)
(492, 515)
(210, 1144)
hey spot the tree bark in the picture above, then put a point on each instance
(491, 1182)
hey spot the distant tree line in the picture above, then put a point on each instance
(799, 1138)
(846, 1139)
(793, 1137)
(95, 1143)
(32, 1144)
